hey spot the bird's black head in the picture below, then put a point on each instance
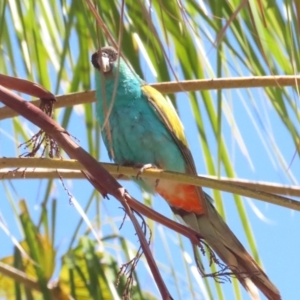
(104, 59)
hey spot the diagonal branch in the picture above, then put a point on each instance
(95, 173)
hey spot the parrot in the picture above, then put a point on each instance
(140, 127)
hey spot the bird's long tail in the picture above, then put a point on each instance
(222, 240)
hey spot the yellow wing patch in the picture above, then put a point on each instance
(166, 111)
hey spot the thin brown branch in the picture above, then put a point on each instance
(96, 174)
(100, 22)
(146, 249)
(25, 86)
(174, 87)
(130, 205)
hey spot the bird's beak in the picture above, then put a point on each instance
(106, 67)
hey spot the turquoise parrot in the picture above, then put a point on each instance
(140, 128)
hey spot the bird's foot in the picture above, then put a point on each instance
(142, 168)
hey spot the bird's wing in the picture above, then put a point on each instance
(169, 117)
(166, 112)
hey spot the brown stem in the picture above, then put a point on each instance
(96, 174)
(25, 86)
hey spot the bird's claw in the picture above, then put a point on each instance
(143, 168)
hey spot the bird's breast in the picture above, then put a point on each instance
(138, 136)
